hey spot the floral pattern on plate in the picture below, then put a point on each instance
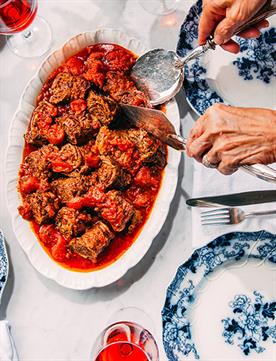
(196, 87)
(257, 61)
(4, 265)
(252, 323)
(177, 336)
(259, 57)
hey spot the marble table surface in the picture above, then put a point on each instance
(50, 322)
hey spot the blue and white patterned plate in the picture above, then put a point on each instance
(247, 79)
(221, 304)
(4, 264)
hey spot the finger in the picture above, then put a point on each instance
(262, 24)
(231, 46)
(195, 132)
(207, 23)
(198, 148)
(254, 31)
(213, 156)
(250, 33)
(225, 30)
(226, 168)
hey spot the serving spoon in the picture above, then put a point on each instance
(159, 72)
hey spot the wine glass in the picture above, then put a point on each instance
(126, 340)
(159, 7)
(31, 35)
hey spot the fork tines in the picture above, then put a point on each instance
(216, 216)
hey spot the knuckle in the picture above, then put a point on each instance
(217, 106)
(225, 169)
(240, 16)
(191, 150)
(214, 109)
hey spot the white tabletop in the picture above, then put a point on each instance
(50, 322)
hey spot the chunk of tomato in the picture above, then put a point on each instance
(92, 160)
(55, 134)
(76, 203)
(26, 212)
(59, 250)
(75, 65)
(29, 184)
(95, 196)
(60, 166)
(122, 144)
(47, 233)
(119, 59)
(78, 106)
(44, 122)
(96, 77)
(145, 178)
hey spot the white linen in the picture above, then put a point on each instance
(7, 347)
(209, 182)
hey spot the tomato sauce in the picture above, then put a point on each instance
(122, 241)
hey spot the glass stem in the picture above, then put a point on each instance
(164, 5)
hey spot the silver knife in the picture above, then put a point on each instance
(235, 199)
(4, 264)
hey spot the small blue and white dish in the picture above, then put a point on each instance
(247, 79)
(221, 304)
(4, 264)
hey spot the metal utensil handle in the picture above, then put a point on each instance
(177, 142)
(260, 171)
(265, 12)
(263, 213)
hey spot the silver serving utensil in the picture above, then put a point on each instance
(156, 123)
(159, 72)
(223, 216)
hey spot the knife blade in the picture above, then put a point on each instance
(235, 199)
(154, 122)
(4, 264)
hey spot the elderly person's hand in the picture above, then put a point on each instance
(229, 137)
(223, 17)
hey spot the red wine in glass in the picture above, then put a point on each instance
(17, 15)
(122, 351)
(125, 341)
(31, 35)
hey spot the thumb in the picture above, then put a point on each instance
(225, 30)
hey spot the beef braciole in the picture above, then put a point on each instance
(88, 182)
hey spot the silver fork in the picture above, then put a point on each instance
(220, 216)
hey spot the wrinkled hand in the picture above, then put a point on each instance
(231, 137)
(223, 17)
